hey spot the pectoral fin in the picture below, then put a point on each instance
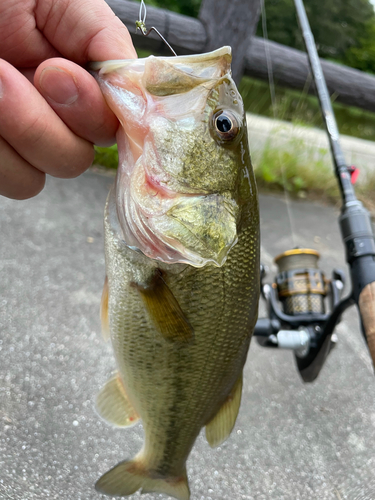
(104, 311)
(165, 311)
(220, 427)
(113, 405)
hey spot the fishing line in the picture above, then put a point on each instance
(273, 103)
(141, 26)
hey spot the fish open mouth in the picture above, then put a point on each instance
(164, 211)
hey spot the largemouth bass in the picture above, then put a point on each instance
(180, 299)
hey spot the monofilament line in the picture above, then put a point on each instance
(273, 102)
(142, 8)
(141, 25)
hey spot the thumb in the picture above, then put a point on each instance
(84, 31)
(76, 98)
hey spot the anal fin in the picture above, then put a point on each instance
(113, 405)
(219, 428)
(165, 311)
(104, 311)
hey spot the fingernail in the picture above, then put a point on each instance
(58, 85)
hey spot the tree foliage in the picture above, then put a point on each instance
(344, 30)
(337, 25)
(362, 54)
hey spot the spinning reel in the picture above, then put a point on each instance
(297, 302)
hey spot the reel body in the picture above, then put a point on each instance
(297, 303)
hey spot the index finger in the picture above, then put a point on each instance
(84, 30)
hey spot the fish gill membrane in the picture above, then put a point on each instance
(180, 299)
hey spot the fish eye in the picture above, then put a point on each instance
(223, 123)
(226, 125)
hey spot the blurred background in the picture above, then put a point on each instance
(292, 441)
(275, 83)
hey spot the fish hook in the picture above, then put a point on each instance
(141, 25)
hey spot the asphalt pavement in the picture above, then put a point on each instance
(291, 442)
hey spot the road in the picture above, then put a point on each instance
(291, 441)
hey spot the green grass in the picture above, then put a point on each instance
(291, 167)
(106, 157)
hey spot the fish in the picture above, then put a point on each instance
(180, 299)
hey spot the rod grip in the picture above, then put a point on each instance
(366, 304)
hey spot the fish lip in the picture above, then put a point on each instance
(113, 64)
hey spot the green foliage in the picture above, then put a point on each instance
(305, 173)
(362, 54)
(291, 167)
(106, 157)
(337, 25)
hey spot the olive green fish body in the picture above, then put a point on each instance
(182, 310)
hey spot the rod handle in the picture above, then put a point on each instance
(366, 306)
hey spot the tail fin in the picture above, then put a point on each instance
(129, 476)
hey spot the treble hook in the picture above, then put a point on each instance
(141, 25)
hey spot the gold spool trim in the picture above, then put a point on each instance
(306, 291)
(297, 251)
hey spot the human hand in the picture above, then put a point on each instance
(50, 128)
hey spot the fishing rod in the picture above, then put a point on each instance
(296, 300)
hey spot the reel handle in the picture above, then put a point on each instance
(366, 304)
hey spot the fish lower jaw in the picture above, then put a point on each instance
(177, 228)
(169, 249)
(171, 255)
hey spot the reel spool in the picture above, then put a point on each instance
(301, 285)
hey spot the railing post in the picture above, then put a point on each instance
(230, 22)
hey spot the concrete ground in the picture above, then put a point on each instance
(291, 441)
